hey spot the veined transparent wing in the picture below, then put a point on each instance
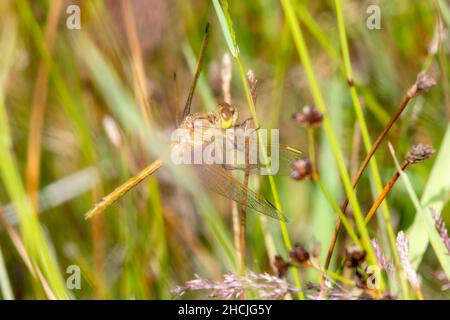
(222, 182)
(286, 157)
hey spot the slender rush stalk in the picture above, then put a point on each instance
(38, 106)
(22, 251)
(252, 80)
(385, 192)
(300, 44)
(361, 169)
(364, 130)
(226, 74)
(316, 178)
(5, 283)
(244, 207)
(139, 79)
(417, 88)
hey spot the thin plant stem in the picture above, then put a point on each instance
(312, 150)
(38, 107)
(226, 75)
(34, 237)
(176, 93)
(385, 192)
(363, 166)
(320, 103)
(139, 80)
(251, 78)
(354, 159)
(334, 205)
(244, 206)
(332, 275)
(444, 65)
(405, 178)
(5, 283)
(362, 123)
(316, 178)
(22, 251)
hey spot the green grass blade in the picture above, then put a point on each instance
(32, 233)
(435, 195)
(426, 224)
(300, 44)
(225, 22)
(5, 284)
(377, 185)
(445, 11)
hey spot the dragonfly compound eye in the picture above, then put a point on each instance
(228, 115)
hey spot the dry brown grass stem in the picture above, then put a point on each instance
(417, 154)
(423, 83)
(356, 146)
(20, 247)
(139, 79)
(385, 192)
(38, 104)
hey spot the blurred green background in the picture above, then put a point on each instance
(82, 110)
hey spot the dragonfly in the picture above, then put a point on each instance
(197, 128)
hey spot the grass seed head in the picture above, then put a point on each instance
(354, 257)
(423, 83)
(281, 265)
(441, 229)
(308, 116)
(420, 152)
(301, 169)
(299, 254)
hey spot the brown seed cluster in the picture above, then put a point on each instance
(354, 257)
(301, 169)
(281, 265)
(297, 256)
(423, 83)
(253, 83)
(308, 116)
(420, 152)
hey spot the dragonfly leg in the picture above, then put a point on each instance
(245, 125)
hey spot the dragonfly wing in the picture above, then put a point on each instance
(223, 183)
(286, 157)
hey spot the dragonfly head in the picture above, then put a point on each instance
(228, 115)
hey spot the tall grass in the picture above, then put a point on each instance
(319, 101)
(107, 96)
(35, 240)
